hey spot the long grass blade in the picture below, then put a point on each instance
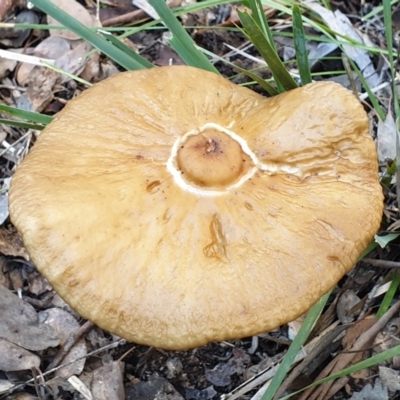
(21, 124)
(300, 46)
(255, 35)
(389, 295)
(258, 14)
(28, 115)
(387, 20)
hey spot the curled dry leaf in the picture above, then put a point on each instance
(221, 374)
(15, 37)
(107, 382)
(340, 24)
(11, 243)
(369, 392)
(76, 10)
(73, 61)
(15, 358)
(345, 305)
(70, 56)
(65, 324)
(390, 378)
(154, 388)
(5, 386)
(19, 324)
(386, 138)
(79, 386)
(50, 48)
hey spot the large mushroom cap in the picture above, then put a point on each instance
(173, 208)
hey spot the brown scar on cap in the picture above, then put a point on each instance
(178, 248)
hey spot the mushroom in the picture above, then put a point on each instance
(172, 207)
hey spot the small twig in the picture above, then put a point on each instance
(125, 18)
(381, 263)
(71, 341)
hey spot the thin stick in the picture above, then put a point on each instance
(381, 263)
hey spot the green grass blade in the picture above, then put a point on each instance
(389, 295)
(21, 124)
(253, 33)
(258, 14)
(28, 115)
(387, 19)
(87, 34)
(127, 50)
(300, 46)
(181, 41)
(295, 347)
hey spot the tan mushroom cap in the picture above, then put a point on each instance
(173, 208)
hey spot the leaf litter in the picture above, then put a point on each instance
(37, 329)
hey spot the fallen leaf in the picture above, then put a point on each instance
(340, 24)
(79, 386)
(344, 306)
(15, 37)
(19, 324)
(390, 378)
(155, 388)
(76, 10)
(15, 358)
(65, 324)
(377, 392)
(11, 243)
(386, 138)
(221, 374)
(50, 48)
(5, 386)
(107, 382)
(73, 61)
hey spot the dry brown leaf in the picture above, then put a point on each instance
(5, 386)
(14, 36)
(344, 306)
(340, 24)
(107, 382)
(76, 10)
(50, 48)
(154, 388)
(40, 89)
(19, 324)
(355, 331)
(65, 324)
(15, 358)
(11, 243)
(73, 61)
